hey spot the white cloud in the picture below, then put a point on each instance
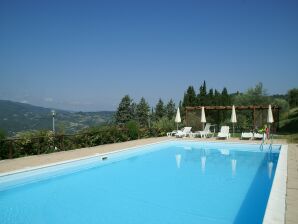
(24, 101)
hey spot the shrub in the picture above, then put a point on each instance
(2, 135)
(33, 143)
(163, 125)
(133, 129)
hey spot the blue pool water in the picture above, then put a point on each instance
(173, 182)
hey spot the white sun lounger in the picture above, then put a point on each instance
(204, 133)
(224, 132)
(183, 132)
(259, 136)
(172, 133)
(246, 135)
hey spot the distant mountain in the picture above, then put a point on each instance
(17, 117)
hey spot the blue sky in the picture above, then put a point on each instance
(86, 55)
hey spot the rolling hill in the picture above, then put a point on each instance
(289, 122)
(18, 117)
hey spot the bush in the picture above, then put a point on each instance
(2, 135)
(289, 124)
(34, 143)
(133, 129)
(162, 126)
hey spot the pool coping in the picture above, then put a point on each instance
(100, 155)
(276, 206)
(26, 169)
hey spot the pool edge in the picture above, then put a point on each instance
(276, 206)
(26, 169)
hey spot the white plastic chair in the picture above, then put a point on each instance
(183, 132)
(206, 131)
(224, 132)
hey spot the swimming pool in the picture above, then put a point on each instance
(170, 182)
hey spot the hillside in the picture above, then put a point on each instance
(17, 117)
(289, 122)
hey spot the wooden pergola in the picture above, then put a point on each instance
(253, 109)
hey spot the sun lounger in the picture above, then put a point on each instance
(183, 132)
(246, 135)
(204, 133)
(224, 132)
(259, 136)
(172, 133)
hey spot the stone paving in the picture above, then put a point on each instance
(292, 185)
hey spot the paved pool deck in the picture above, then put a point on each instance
(292, 185)
(40, 160)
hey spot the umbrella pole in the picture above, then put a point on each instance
(269, 132)
(177, 126)
(233, 131)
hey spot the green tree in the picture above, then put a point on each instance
(253, 96)
(217, 98)
(133, 110)
(202, 96)
(125, 110)
(189, 98)
(142, 112)
(2, 134)
(293, 97)
(210, 98)
(159, 110)
(283, 104)
(152, 115)
(170, 109)
(225, 98)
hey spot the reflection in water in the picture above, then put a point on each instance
(203, 160)
(234, 165)
(233, 162)
(178, 160)
(225, 152)
(203, 163)
(270, 164)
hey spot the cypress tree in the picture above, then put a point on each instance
(159, 110)
(202, 96)
(170, 109)
(189, 98)
(142, 112)
(210, 98)
(124, 111)
(225, 101)
(225, 98)
(216, 98)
